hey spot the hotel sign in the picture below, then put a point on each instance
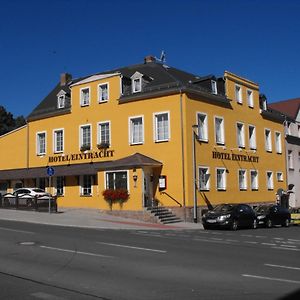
(235, 157)
(81, 156)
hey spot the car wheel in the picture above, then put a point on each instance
(205, 227)
(234, 225)
(254, 224)
(286, 223)
(269, 223)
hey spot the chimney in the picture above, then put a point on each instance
(64, 78)
(149, 59)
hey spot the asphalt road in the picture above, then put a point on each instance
(49, 262)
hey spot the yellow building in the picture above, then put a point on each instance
(168, 137)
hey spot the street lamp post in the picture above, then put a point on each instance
(194, 136)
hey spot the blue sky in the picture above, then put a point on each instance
(39, 40)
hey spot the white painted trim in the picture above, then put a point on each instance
(80, 96)
(37, 143)
(155, 136)
(98, 130)
(54, 140)
(98, 92)
(130, 131)
(95, 78)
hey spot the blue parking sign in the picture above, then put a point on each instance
(50, 171)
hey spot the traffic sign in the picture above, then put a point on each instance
(50, 171)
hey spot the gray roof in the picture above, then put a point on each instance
(158, 77)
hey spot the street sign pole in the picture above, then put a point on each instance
(50, 172)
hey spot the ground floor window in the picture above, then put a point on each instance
(41, 183)
(86, 185)
(117, 180)
(59, 186)
(204, 178)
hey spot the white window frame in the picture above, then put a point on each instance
(38, 145)
(205, 181)
(240, 134)
(290, 158)
(202, 134)
(99, 139)
(100, 92)
(270, 180)
(116, 171)
(222, 131)
(55, 148)
(242, 177)
(61, 101)
(252, 138)
(155, 127)
(254, 180)
(82, 101)
(279, 176)
(63, 185)
(278, 143)
(268, 140)
(238, 94)
(130, 130)
(81, 187)
(223, 174)
(214, 87)
(81, 135)
(250, 98)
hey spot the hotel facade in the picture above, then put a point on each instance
(169, 137)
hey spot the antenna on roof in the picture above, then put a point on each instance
(162, 58)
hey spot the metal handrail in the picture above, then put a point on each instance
(165, 193)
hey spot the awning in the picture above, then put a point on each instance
(136, 160)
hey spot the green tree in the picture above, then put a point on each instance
(8, 122)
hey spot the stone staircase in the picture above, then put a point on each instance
(163, 215)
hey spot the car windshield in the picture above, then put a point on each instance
(38, 190)
(224, 208)
(262, 208)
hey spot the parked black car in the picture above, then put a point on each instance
(272, 214)
(232, 216)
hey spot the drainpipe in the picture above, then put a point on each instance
(182, 153)
(194, 174)
(27, 147)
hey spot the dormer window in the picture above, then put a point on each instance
(136, 82)
(61, 99)
(214, 89)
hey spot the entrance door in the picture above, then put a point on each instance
(148, 188)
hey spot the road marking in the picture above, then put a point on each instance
(284, 248)
(217, 239)
(74, 251)
(15, 230)
(229, 240)
(292, 240)
(284, 267)
(268, 244)
(247, 235)
(271, 278)
(288, 246)
(41, 295)
(250, 242)
(211, 241)
(132, 247)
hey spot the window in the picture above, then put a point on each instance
(240, 135)
(268, 142)
(270, 184)
(86, 185)
(278, 142)
(202, 127)
(103, 92)
(254, 180)
(117, 180)
(290, 160)
(61, 101)
(60, 185)
(214, 88)
(250, 98)
(279, 176)
(41, 183)
(219, 130)
(41, 143)
(221, 179)
(161, 121)
(288, 128)
(85, 137)
(252, 137)
(136, 85)
(204, 182)
(104, 133)
(238, 94)
(85, 96)
(59, 140)
(299, 131)
(242, 180)
(136, 130)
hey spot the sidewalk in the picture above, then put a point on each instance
(88, 218)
